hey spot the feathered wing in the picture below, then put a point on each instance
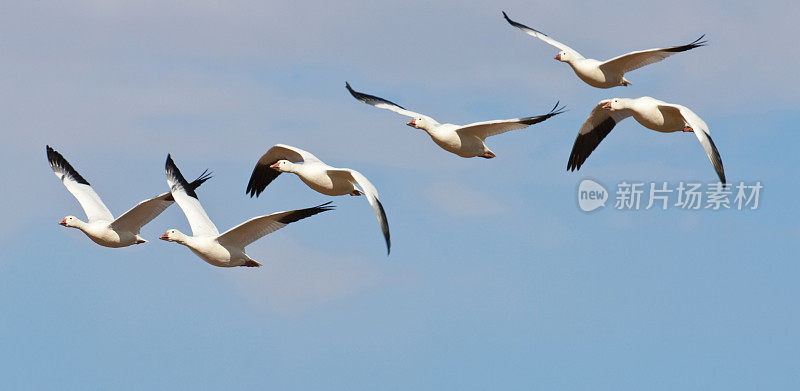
(703, 134)
(91, 203)
(258, 227)
(263, 175)
(371, 193)
(544, 37)
(137, 217)
(382, 103)
(486, 129)
(592, 132)
(186, 198)
(635, 60)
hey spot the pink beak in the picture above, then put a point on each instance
(274, 166)
(63, 222)
(557, 56)
(607, 105)
(164, 236)
(411, 123)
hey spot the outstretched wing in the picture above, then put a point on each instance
(137, 217)
(382, 103)
(91, 203)
(258, 227)
(635, 60)
(184, 195)
(544, 37)
(263, 175)
(371, 193)
(592, 132)
(703, 134)
(486, 129)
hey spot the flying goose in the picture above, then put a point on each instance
(226, 249)
(650, 113)
(610, 73)
(462, 140)
(100, 225)
(317, 175)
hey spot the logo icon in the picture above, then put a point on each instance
(591, 195)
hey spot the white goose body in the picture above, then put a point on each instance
(649, 112)
(100, 233)
(463, 140)
(101, 226)
(588, 70)
(223, 249)
(464, 145)
(211, 251)
(317, 175)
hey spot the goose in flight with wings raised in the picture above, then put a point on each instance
(610, 73)
(650, 113)
(317, 175)
(226, 249)
(462, 140)
(100, 225)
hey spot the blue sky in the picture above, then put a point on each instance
(496, 278)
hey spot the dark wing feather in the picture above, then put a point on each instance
(175, 175)
(586, 143)
(369, 99)
(60, 165)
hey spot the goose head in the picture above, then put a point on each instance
(614, 104)
(173, 235)
(282, 166)
(70, 221)
(563, 56)
(420, 123)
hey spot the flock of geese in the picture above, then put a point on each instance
(227, 249)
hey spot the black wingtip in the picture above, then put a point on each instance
(505, 16)
(385, 229)
(556, 110)
(173, 172)
(520, 25)
(353, 92)
(694, 44)
(206, 175)
(307, 212)
(261, 177)
(60, 164)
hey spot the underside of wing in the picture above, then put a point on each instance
(187, 200)
(542, 36)
(381, 103)
(79, 187)
(258, 227)
(635, 60)
(144, 212)
(592, 132)
(703, 134)
(486, 129)
(371, 193)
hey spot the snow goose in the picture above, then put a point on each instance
(610, 73)
(226, 249)
(652, 114)
(317, 175)
(462, 140)
(100, 226)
